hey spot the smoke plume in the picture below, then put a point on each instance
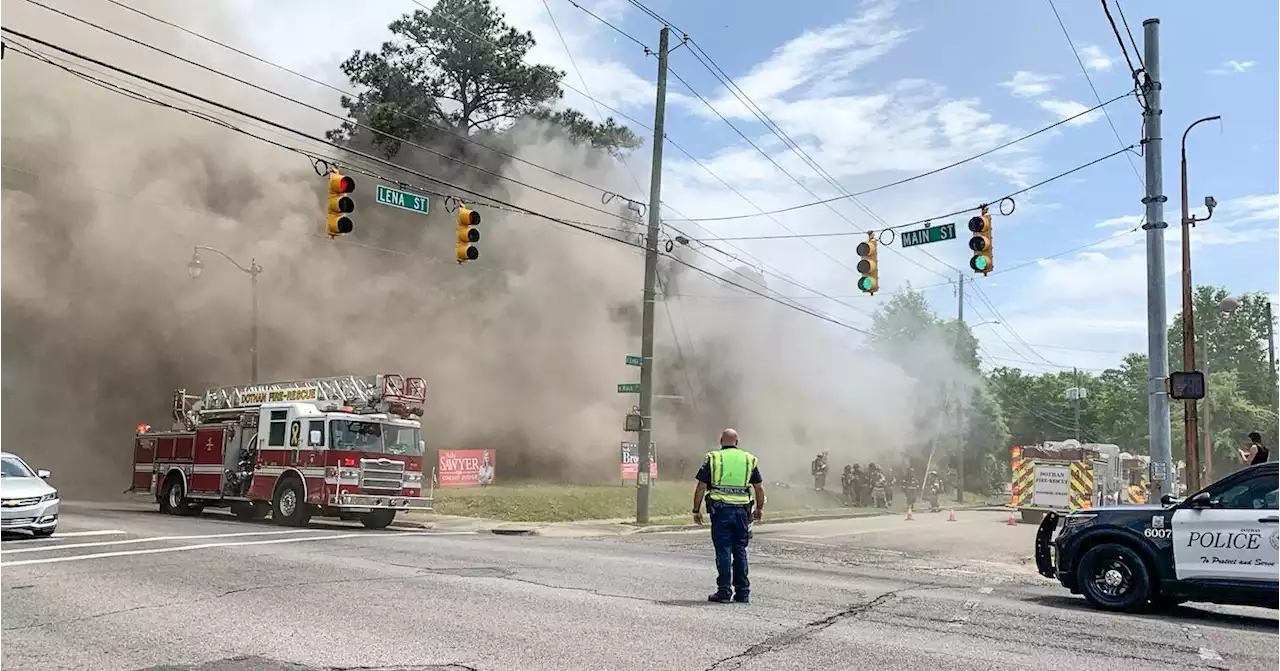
(104, 198)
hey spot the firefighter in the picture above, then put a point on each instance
(932, 489)
(820, 473)
(729, 482)
(890, 479)
(911, 487)
(846, 485)
(858, 482)
(877, 479)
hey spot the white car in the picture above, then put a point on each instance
(27, 502)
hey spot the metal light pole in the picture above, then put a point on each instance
(1188, 315)
(1226, 306)
(195, 267)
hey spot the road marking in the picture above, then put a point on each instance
(986, 590)
(205, 546)
(1210, 655)
(153, 539)
(799, 542)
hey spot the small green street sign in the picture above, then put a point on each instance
(629, 388)
(402, 199)
(928, 234)
(633, 360)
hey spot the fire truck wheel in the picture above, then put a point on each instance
(290, 506)
(378, 519)
(255, 510)
(174, 501)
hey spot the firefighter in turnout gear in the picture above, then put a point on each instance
(730, 483)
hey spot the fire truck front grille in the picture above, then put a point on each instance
(381, 475)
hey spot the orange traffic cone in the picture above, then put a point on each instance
(910, 517)
(1012, 521)
(951, 515)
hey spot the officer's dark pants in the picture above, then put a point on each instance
(729, 526)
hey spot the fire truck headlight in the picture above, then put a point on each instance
(349, 474)
(413, 476)
(51, 496)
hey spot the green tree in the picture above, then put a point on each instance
(1234, 341)
(458, 64)
(609, 136)
(1119, 404)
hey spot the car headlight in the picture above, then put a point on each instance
(1077, 520)
(413, 476)
(51, 496)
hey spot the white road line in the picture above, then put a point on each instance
(153, 539)
(799, 542)
(205, 546)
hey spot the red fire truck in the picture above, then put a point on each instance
(345, 446)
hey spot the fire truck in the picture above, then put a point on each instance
(345, 446)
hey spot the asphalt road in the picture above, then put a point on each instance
(120, 588)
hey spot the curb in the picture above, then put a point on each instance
(659, 528)
(408, 524)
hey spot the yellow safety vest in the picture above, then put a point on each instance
(731, 471)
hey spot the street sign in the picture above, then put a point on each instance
(633, 360)
(629, 388)
(928, 234)
(402, 199)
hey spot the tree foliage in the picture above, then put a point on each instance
(458, 68)
(1013, 407)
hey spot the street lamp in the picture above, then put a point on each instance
(1188, 319)
(195, 267)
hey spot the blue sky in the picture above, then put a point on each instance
(877, 91)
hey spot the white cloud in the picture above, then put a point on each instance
(1233, 67)
(1063, 109)
(1125, 221)
(1095, 58)
(1026, 84)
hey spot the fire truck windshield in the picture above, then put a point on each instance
(373, 437)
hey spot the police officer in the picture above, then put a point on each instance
(727, 480)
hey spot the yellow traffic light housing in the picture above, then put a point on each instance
(340, 204)
(980, 243)
(869, 283)
(467, 234)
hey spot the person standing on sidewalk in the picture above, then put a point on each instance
(730, 484)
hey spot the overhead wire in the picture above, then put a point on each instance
(922, 175)
(519, 209)
(1075, 52)
(954, 213)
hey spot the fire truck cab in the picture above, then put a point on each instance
(346, 446)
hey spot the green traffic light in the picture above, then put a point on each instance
(980, 263)
(866, 284)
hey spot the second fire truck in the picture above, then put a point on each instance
(345, 446)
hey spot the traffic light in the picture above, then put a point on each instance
(869, 283)
(340, 204)
(980, 243)
(467, 234)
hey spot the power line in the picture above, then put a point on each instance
(982, 295)
(922, 175)
(366, 156)
(1093, 88)
(935, 217)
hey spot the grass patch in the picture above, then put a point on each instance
(564, 503)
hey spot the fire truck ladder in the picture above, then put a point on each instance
(353, 390)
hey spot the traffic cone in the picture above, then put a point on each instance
(1012, 521)
(951, 515)
(910, 517)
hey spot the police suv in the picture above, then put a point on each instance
(1220, 545)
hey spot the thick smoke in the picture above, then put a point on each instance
(104, 198)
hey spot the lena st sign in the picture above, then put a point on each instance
(402, 199)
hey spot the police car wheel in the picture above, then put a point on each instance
(1113, 577)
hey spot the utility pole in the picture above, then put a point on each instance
(1271, 357)
(1157, 317)
(650, 282)
(1075, 376)
(959, 359)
